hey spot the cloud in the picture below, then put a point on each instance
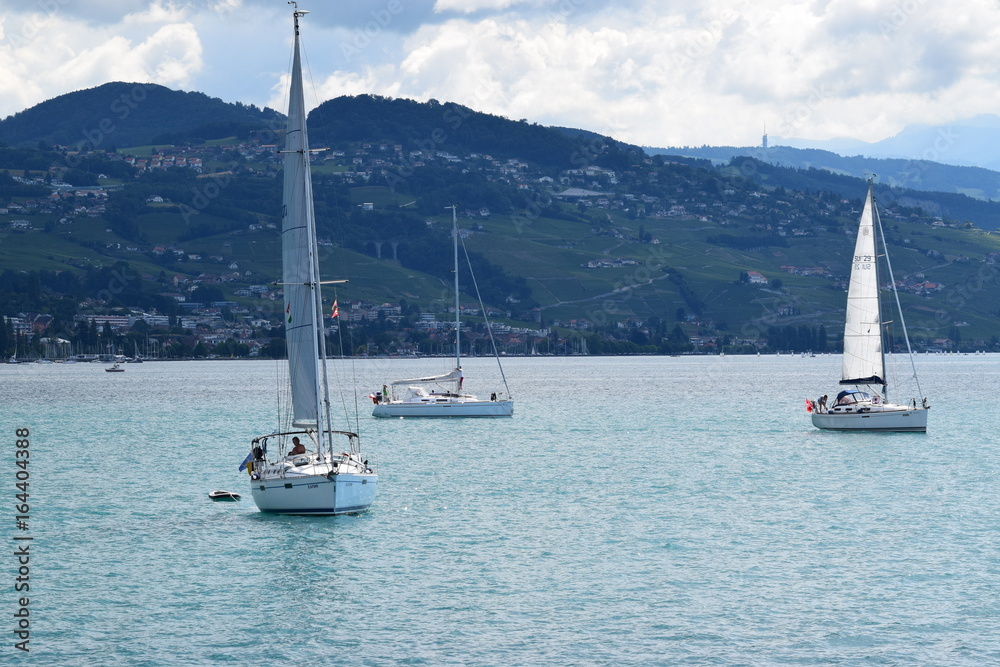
(668, 73)
(52, 54)
(474, 6)
(658, 72)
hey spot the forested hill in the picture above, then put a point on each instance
(924, 175)
(564, 228)
(435, 126)
(953, 205)
(117, 115)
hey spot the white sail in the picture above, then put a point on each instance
(298, 261)
(863, 360)
(299, 471)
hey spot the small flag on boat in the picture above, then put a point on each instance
(809, 405)
(247, 460)
(335, 312)
(288, 311)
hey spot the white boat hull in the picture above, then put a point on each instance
(884, 420)
(345, 493)
(445, 409)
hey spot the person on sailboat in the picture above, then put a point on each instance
(822, 403)
(299, 448)
(461, 377)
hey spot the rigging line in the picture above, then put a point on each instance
(277, 390)
(340, 345)
(350, 341)
(324, 130)
(899, 307)
(354, 383)
(489, 327)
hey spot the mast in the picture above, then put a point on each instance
(300, 263)
(899, 307)
(458, 326)
(883, 331)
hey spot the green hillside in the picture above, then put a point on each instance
(131, 114)
(565, 230)
(921, 175)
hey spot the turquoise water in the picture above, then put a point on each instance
(647, 510)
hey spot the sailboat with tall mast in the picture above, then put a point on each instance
(445, 397)
(314, 476)
(867, 407)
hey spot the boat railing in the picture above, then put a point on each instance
(258, 446)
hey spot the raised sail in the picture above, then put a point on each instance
(298, 262)
(300, 471)
(863, 360)
(867, 408)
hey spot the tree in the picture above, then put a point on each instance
(821, 339)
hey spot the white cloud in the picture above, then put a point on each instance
(55, 54)
(713, 72)
(473, 6)
(646, 71)
(156, 12)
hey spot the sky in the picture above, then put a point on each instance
(648, 72)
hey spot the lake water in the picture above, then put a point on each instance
(640, 510)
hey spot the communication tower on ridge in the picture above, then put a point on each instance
(763, 143)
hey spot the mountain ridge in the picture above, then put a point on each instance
(977, 182)
(964, 142)
(130, 114)
(565, 227)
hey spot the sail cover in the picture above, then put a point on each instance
(297, 231)
(447, 377)
(862, 327)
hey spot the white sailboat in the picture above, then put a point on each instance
(314, 476)
(866, 407)
(441, 395)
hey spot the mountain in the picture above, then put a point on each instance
(969, 142)
(925, 175)
(131, 114)
(433, 126)
(566, 230)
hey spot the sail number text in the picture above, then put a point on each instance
(863, 261)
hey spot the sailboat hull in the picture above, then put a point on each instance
(315, 494)
(445, 409)
(889, 420)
